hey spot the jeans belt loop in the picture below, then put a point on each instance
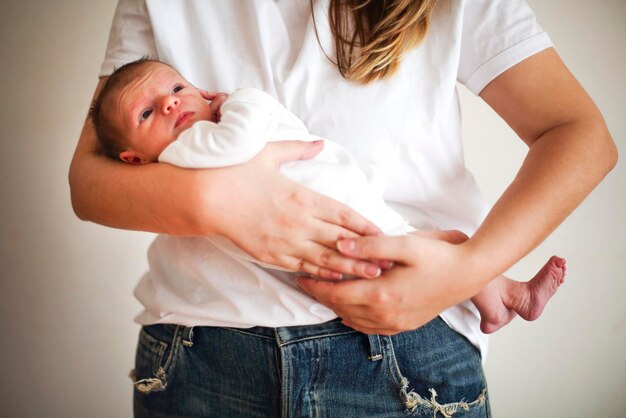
(376, 352)
(187, 336)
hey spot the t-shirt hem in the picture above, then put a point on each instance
(506, 59)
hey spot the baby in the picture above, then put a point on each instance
(147, 112)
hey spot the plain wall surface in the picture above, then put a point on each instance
(66, 301)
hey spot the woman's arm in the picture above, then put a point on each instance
(118, 195)
(570, 151)
(274, 219)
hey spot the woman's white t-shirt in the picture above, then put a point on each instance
(408, 127)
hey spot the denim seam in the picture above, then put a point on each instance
(149, 342)
(239, 331)
(285, 399)
(171, 359)
(161, 370)
(160, 347)
(285, 343)
(315, 379)
(393, 370)
(279, 365)
(159, 358)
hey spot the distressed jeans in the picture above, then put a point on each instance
(323, 370)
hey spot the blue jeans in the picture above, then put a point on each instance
(324, 370)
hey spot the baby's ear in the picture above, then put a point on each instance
(131, 157)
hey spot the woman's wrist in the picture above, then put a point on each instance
(201, 212)
(479, 265)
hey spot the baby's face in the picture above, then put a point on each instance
(155, 108)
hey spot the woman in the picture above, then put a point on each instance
(390, 98)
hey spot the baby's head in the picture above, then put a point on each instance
(143, 107)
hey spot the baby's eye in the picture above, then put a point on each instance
(145, 114)
(177, 88)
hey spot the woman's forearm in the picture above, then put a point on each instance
(570, 151)
(150, 197)
(153, 197)
(560, 170)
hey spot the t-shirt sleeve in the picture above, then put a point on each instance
(131, 36)
(496, 35)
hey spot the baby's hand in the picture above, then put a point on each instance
(216, 106)
(217, 100)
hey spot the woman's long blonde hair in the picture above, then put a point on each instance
(371, 36)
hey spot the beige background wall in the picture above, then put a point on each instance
(66, 304)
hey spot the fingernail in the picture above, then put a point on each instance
(374, 231)
(386, 264)
(372, 270)
(346, 245)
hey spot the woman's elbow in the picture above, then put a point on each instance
(79, 208)
(612, 153)
(606, 154)
(77, 204)
(595, 145)
(78, 192)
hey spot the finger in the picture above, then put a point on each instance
(368, 326)
(394, 248)
(331, 259)
(208, 95)
(331, 211)
(343, 292)
(318, 271)
(367, 316)
(366, 319)
(383, 264)
(327, 234)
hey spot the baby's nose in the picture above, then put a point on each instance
(169, 103)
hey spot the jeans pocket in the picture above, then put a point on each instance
(438, 374)
(156, 356)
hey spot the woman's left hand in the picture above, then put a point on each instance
(432, 271)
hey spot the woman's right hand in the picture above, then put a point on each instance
(280, 222)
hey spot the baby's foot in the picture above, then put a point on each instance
(534, 295)
(503, 299)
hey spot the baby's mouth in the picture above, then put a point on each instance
(182, 118)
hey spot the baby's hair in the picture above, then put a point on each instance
(110, 136)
